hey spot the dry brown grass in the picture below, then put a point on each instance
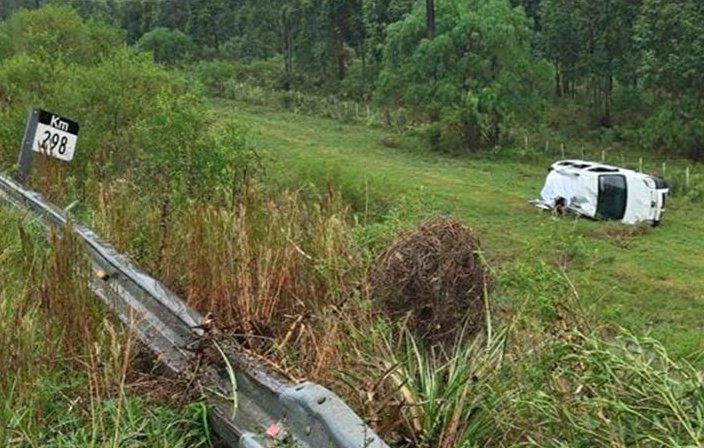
(51, 324)
(275, 272)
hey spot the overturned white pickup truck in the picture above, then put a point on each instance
(599, 191)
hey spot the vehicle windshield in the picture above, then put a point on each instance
(612, 197)
(659, 182)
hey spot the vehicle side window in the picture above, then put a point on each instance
(613, 194)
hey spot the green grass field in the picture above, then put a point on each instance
(650, 281)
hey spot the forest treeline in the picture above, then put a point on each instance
(469, 69)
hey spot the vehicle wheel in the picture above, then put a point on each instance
(560, 206)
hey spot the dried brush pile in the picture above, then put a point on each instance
(433, 278)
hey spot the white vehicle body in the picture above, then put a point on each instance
(601, 191)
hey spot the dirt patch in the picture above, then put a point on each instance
(434, 278)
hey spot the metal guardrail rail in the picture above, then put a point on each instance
(256, 410)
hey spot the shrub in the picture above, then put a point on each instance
(214, 75)
(167, 46)
(676, 127)
(137, 119)
(55, 31)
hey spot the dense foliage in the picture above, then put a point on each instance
(168, 46)
(287, 273)
(144, 121)
(467, 69)
(472, 76)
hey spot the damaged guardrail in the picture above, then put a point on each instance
(250, 406)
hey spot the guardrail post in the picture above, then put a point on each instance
(25, 160)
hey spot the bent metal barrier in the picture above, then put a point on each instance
(250, 407)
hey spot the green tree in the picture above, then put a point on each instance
(608, 51)
(471, 77)
(328, 34)
(591, 45)
(167, 46)
(377, 16)
(671, 36)
(562, 43)
(8, 7)
(58, 30)
(175, 14)
(532, 9)
(137, 17)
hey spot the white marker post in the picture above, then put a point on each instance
(49, 134)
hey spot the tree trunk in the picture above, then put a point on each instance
(287, 37)
(606, 119)
(434, 136)
(341, 68)
(430, 18)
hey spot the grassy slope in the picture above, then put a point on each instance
(656, 284)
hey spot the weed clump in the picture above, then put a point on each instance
(433, 278)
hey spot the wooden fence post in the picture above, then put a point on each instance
(686, 178)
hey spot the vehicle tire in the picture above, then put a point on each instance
(561, 206)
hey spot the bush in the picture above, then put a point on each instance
(54, 31)
(676, 127)
(214, 75)
(218, 76)
(137, 119)
(167, 46)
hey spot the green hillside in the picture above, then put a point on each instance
(650, 279)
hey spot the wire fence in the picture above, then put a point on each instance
(684, 178)
(325, 106)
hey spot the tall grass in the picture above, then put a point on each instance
(273, 269)
(622, 392)
(444, 396)
(284, 276)
(65, 369)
